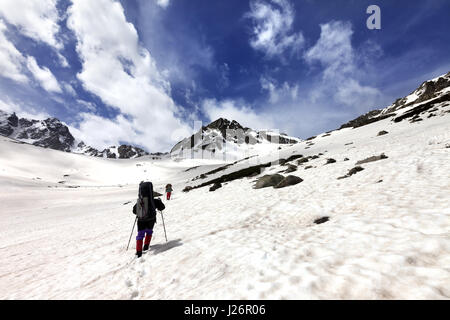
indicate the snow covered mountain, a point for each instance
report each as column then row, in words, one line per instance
column 225, row 138
column 114, row 152
column 427, row 98
column 52, row 133
column 48, row 133
column 356, row 213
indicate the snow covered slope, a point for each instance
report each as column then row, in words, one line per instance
column 385, row 231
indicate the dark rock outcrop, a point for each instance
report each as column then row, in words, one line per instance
column 288, row 181
column 321, row 220
column 365, row 119
column 49, row 133
column 291, row 168
column 372, row 159
column 352, row 172
column 215, row 186
column 268, row 181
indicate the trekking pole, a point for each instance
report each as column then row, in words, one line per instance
column 163, row 224
column 131, row 233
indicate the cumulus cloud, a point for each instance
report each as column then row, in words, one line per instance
column 342, row 67
column 43, row 75
column 335, row 94
column 11, row 59
column 22, row 110
column 277, row 92
column 272, row 28
column 333, row 49
column 122, row 73
column 35, row 19
column 235, row 110
column 112, row 130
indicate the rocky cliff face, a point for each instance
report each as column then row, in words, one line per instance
column 48, row 133
column 52, row 133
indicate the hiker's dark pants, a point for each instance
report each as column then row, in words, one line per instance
column 145, row 227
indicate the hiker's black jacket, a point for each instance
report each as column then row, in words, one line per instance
column 158, row 204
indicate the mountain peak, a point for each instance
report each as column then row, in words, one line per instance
column 223, row 124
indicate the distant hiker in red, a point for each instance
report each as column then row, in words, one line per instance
column 169, row 191
column 145, row 211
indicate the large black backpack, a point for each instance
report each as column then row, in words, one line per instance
column 145, row 206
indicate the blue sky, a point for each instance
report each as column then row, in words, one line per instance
column 142, row 71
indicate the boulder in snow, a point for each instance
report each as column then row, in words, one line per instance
column 288, row 181
column 372, row 159
column 291, row 168
column 268, row 181
column 321, row 220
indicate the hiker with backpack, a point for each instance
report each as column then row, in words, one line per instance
column 169, row 191
column 145, row 211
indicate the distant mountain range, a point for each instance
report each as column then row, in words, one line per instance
column 222, row 134
column 52, row 133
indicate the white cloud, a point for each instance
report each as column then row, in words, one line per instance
column 163, row 3
column 43, row 75
column 272, row 28
column 122, row 73
column 11, row 59
column 182, row 52
column 112, row 130
column 69, row 89
column 230, row 110
column 342, row 68
column 87, row 105
column 62, row 60
column 333, row 49
column 277, row 92
column 35, row 19
column 224, row 76
column 22, row 110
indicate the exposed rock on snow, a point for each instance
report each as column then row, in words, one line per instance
column 352, row 172
column 382, row 132
column 372, row 159
column 321, row 220
column 288, row 181
column 216, row 186
column 291, row 168
column 268, row 181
